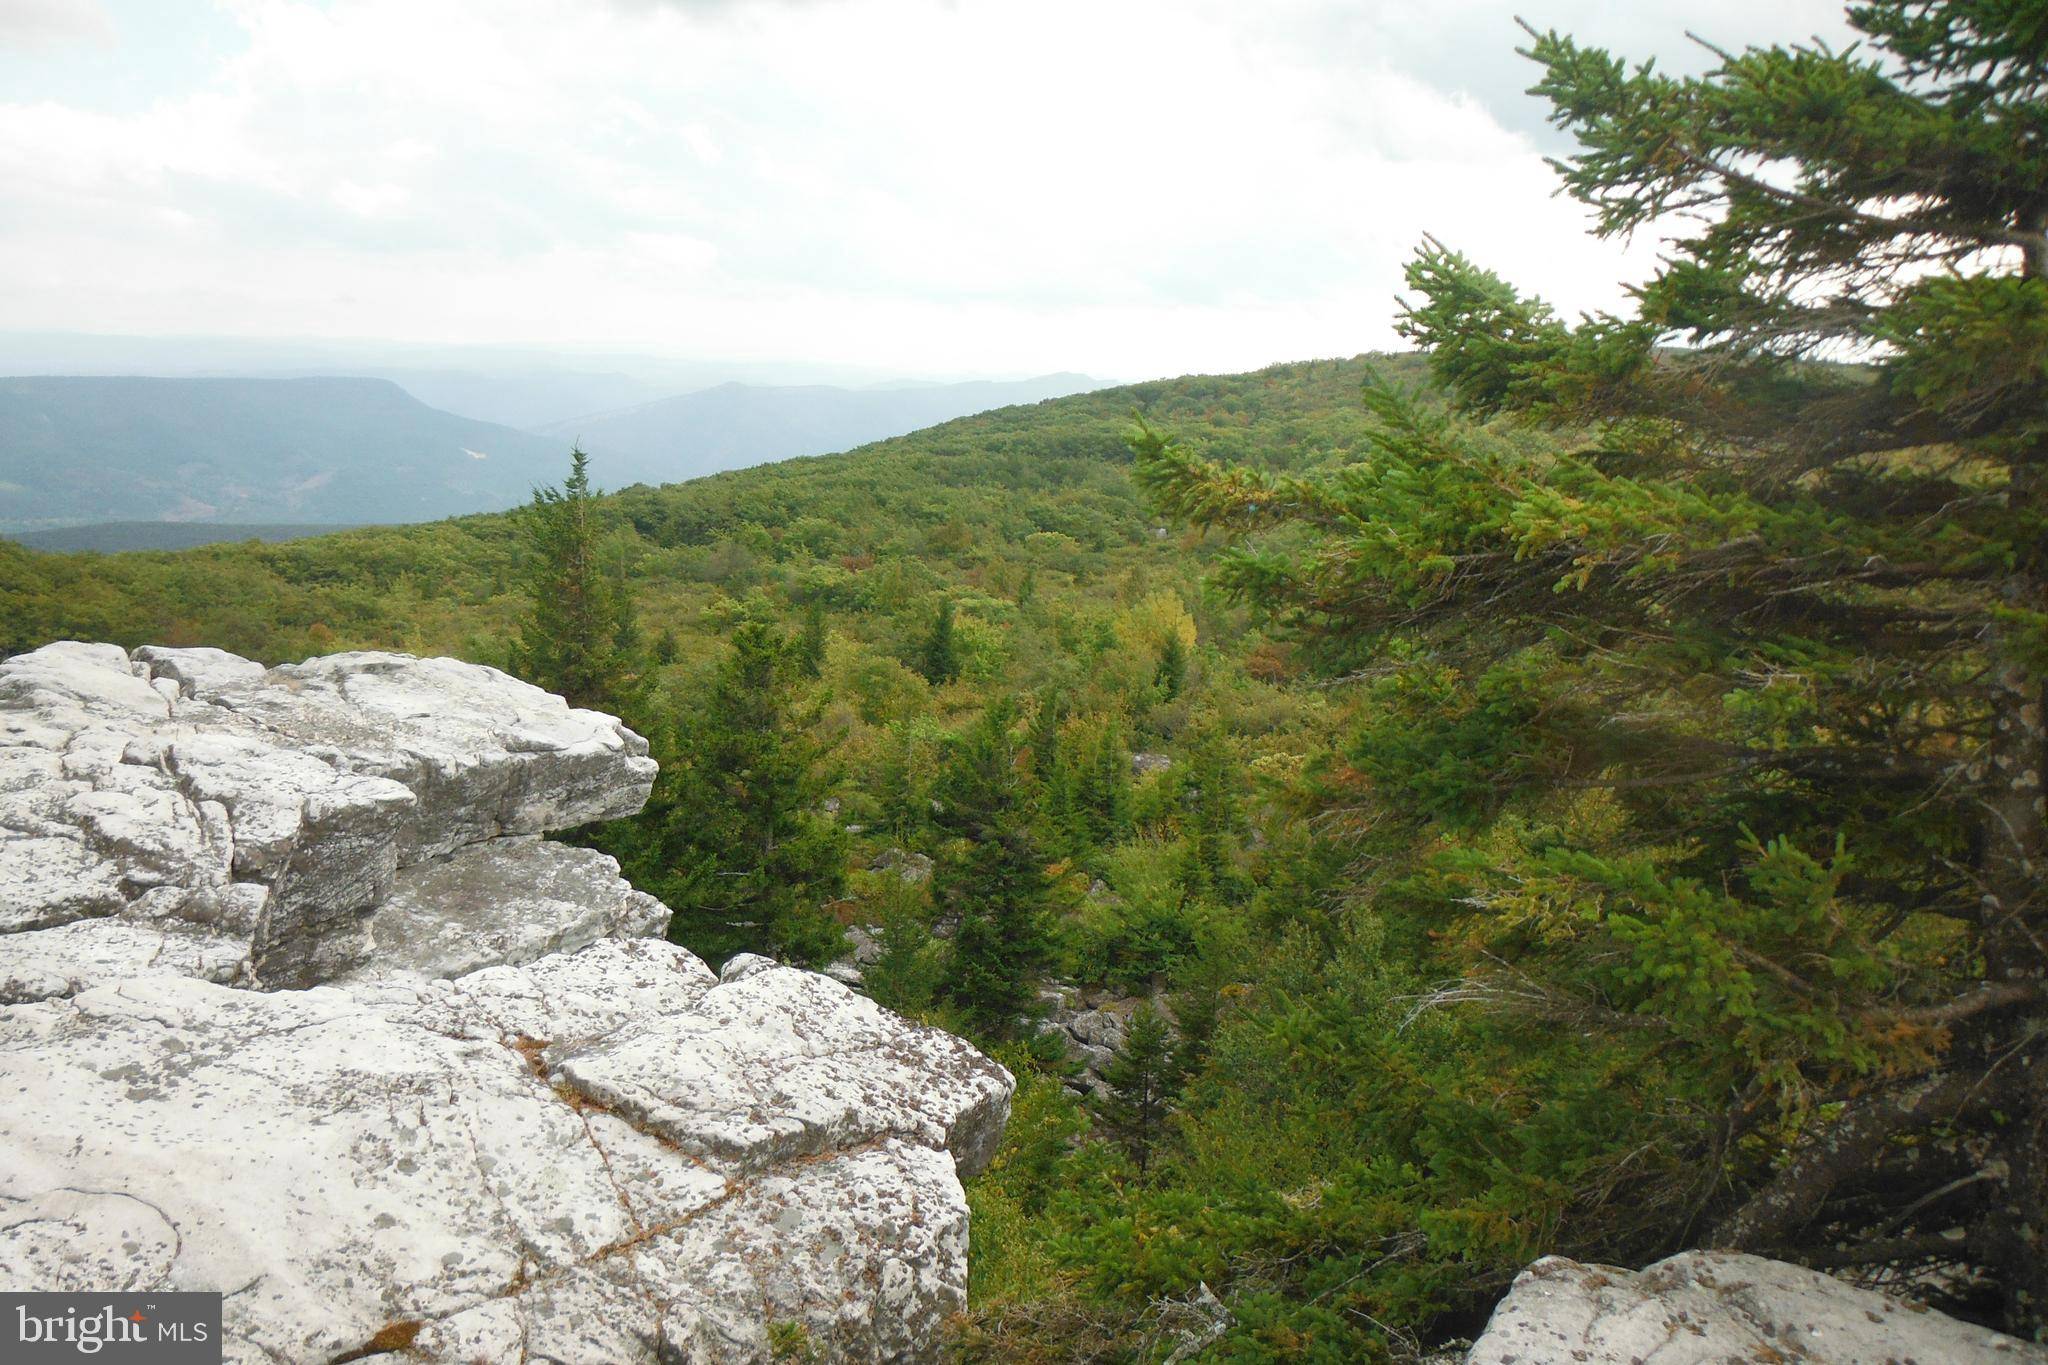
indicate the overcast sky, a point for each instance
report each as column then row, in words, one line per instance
column 930, row 187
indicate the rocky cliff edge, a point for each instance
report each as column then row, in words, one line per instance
column 296, row 1005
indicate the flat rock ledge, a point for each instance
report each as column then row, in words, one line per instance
column 1714, row 1307
column 295, row 1005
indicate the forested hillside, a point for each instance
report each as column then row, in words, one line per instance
column 982, row 505
column 731, row 426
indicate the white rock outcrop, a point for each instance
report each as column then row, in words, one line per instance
column 273, row 809
column 1710, row 1307
column 297, row 1007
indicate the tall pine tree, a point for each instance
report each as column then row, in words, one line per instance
column 578, row 637
column 811, row 640
column 990, row 879
column 939, row 657
column 1138, row 1087
column 1172, row 673
column 1210, row 818
column 734, row 842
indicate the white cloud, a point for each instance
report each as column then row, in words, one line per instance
column 370, row 201
column 931, row 187
column 40, row 23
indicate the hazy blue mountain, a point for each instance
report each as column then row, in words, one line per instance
column 80, row 450
column 269, row 452
column 521, row 386
column 527, row 399
column 735, row 425
column 112, row 537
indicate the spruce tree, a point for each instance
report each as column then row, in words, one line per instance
column 939, row 658
column 1210, row 817
column 1172, row 673
column 579, row 637
column 736, row 845
column 1048, row 713
column 1052, row 783
column 1098, row 786
column 811, row 640
column 1139, row 1086
column 1721, row 711
column 903, row 783
column 990, row 880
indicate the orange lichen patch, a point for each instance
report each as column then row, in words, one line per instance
column 390, row 1338
column 396, row 1336
column 531, row 1050
column 583, row 1105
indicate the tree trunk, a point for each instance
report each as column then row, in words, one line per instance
column 2014, row 1231
column 1770, row 1220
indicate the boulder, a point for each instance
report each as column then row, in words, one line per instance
column 1093, row 1025
column 913, row 868
column 194, row 669
column 867, row 943
column 865, row 948
column 276, row 806
column 298, row 1007
column 1707, row 1307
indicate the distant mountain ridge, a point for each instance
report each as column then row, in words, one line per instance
column 345, row 451
column 108, row 456
column 113, row 537
column 736, row 425
column 514, row 385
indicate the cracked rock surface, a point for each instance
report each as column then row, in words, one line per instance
column 488, row 1118
column 1709, row 1307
